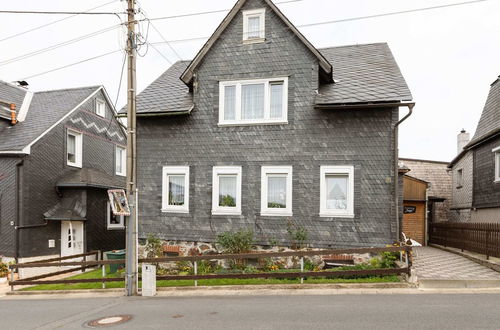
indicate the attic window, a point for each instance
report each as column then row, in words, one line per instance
column 254, row 25
column 100, row 108
column 74, row 148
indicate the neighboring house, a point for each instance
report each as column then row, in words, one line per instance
column 478, row 200
column 439, row 193
column 59, row 152
column 262, row 129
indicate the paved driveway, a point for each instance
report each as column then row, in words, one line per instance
column 436, row 264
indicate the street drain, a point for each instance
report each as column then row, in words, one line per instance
column 109, row 321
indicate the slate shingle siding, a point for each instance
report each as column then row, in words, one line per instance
column 8, row 211
column 47, row 163
column 462, row 197
column 486, row 192
column 311, row 139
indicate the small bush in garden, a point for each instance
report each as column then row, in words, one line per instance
column 309, row 265
column 206, row 267
column 297, row 234
column 153, row 247
column 184, row 267
column 385, row 260
column 268, row 264
column 4, row 269
column 235, row 242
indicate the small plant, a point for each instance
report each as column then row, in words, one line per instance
column 275, row 205
column 206, row 267
column 235, row 242
column 227, row 200
column 309, row 265
column 297, row 235
column 4, row 269
column 184, row 267
column 153, row 247
column 267, row 264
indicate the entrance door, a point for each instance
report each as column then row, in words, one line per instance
column 71, row 238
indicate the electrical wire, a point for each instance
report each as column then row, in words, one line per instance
column 156, row 49
column 52, row 23
column 56, row 12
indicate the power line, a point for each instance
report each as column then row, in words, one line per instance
column 52, row 23
column 156, row 49
column 62, row 44
column 56, row 12
column 71, row 64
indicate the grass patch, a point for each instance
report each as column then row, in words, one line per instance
column 212, row 282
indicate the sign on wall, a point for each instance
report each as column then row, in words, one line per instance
column 118, row 202
column 409, row 209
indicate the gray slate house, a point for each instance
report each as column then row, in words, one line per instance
column 261, row 129
column 476, row 168
column 59, row 152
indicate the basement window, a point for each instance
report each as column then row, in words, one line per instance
column 254, row 25
column 175, row 195
column 337, row 191
column 74, row 148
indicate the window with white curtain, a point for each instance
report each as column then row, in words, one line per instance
column 226, row 194
column 254, row 25
column 337, row 191
column 175, row 194
column 120, row 161
column 258, row 101
column 74, row 148
column 276, row 191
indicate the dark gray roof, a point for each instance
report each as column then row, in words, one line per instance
column 88, row 177
column 489, row 123
column 73, row 207
column 46, row 109
column 166, row 94
column 363, row 73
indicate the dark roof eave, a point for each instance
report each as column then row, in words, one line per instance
column 64, row 219
column 363, row 105
column 160, row 113
column 484, row 138
column 88, row 185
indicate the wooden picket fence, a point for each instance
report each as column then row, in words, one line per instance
column 483, row 238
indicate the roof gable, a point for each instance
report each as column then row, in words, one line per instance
column 187, row 75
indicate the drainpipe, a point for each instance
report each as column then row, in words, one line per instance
column 396, row 169
column 19, row 166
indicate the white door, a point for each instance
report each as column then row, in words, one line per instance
column 71, row 238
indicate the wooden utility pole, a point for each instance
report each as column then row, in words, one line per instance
column 131, row 221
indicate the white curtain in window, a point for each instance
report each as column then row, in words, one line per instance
column 230, row 102
column 336, row 192
column 254, row 27
column 227, row 190
column 276, row 99
column 119, row 160
column 252, row 101
column 71, row 148
column 176, row 190
column 276, row 191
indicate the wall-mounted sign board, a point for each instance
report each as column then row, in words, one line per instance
column 409, row 209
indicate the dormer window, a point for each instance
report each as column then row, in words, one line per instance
column 254, row 25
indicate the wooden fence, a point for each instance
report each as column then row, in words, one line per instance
column 482, row 238
column 196, row 259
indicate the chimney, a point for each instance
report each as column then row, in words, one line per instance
column 13, row 118
column 462, row 139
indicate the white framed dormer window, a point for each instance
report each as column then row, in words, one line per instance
column 276, row 191
column 251, row 102
column 175, row 192
column 460, row 178
column 100, row 108
column 120, row 161
column 74, row 148
column 226, row 191
column 114, row 221
column 337, row 191
column 254, row 25
column 497, row 164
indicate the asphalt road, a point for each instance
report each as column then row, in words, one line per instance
column 418, row 311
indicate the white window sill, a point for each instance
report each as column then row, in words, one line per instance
column 336, row 215
column 496, row 181
column 246, row 123
column 74, row 165
column 254, row 41
column 226, row 212
column 271, row 214
column 174, row 211
column 121, row 174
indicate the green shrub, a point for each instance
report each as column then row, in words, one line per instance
column 297, row 234
column 4, row 269
column 235, row 242
column 153, row 247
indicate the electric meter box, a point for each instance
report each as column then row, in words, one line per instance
column 148, row 280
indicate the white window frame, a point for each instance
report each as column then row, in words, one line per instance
column 226, row 170
column 109, row 212
column 497, row 164
column 175, row 170
column 267, row 102
column 340, row 170
column 261, row 13
column 123, row 160
column 78, row 148
column 460, row 177
column 100, row 108
column 269, row 170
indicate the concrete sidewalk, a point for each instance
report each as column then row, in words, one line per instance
column 437, row 268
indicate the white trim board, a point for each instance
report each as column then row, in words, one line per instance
column 23, row 111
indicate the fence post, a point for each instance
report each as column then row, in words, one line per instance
column 12, row 278
column 103, row 276
column 302, row 269
column 488, row 234
column 195, row 272
column 84, row 260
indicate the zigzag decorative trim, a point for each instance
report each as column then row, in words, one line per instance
column 100, row 130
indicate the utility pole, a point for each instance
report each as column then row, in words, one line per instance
column 131, row 235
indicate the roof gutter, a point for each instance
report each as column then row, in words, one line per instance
column 366, row 105
column 160, row 114
column 410, row 106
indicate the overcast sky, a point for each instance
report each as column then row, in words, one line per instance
column 449, row 56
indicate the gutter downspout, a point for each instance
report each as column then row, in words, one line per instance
column 396, row 169
column 19, row 166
